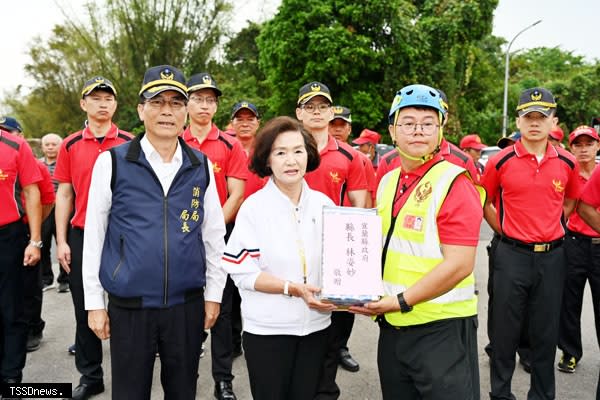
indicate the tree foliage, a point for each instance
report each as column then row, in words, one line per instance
column 366, row 50
column 363, row 50
column 119, row 39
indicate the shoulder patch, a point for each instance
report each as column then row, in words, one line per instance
column 390, row 157
column 123, row 136
column 345, row 152
column 73, row 140
column 504, row 159
column 9, row 142
column 227, row 143
column 464, row 158
column 566, row 160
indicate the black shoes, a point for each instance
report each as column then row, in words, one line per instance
column 224, row 391
column 237, row 351
column 34, row 341
column 86, row 390
column 71, row 350
column 63, row 287
column 526, row 364
column 347, row 362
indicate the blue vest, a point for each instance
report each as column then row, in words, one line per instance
column 153, row 254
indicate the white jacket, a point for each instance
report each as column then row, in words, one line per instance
column 268, row 237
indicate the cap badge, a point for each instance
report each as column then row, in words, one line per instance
column 167, row 74
column 206, row 79
column 536, row 96
column 315, row 87
column 2, row 120
column 99, row 79
column 338, row 110
column 244, row 104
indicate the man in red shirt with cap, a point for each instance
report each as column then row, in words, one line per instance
column 341, row 177
column 230, row 169
column 366, row 146
column 17, row 167
column 76, row 158
column 532, row 185
column 582, row 250
column 471, row 145
column 32, row 277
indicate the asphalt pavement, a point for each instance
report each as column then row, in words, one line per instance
column 52, row 363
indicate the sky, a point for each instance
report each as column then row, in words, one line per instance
column 571, row 26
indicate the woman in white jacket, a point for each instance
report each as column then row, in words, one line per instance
column 274, row 258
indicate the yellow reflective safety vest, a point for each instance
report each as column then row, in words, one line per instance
column 414, row 248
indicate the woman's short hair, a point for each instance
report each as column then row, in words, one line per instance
column 266, row 137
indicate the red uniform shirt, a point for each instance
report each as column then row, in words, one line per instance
column 575, row 223
column 530, row 195
column 460, row 216
column 370, row 177
column 339, row 172
column 450, row 152
column 45, row 186
column 76, row 158
column 225, row 153
column 17, row 164
column 591, row 191
column 47, row 195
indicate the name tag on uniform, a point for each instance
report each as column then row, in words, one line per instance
column 413, row 223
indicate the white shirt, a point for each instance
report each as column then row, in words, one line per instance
column 98, row 210
column 269, row 234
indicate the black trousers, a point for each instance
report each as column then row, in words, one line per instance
column 221, row 342
column 525, row 283
column 32, row 293
column 583, row 264
column 226, row 332
column 437, row 360
column 13, row 330
column 523, row 350
column 285, row 366
column 136, row 334
column 88, row 348
column 48, row 231
column 339, row 333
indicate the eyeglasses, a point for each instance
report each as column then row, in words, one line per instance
column 310, row 107
column 209, row 100
column 159, row 102
column 428, row 128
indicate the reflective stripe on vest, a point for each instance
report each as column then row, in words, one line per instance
column 415, row 249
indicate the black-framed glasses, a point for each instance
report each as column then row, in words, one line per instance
column 428, row 128
column 322, row 107
column 159, row 102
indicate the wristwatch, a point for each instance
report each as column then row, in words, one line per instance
column 39, row 244
column 404, row 307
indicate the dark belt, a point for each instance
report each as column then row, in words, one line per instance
column 534, row 247
column 590, row 239
column 10, row 225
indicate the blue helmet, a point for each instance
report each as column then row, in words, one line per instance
column 417, row 96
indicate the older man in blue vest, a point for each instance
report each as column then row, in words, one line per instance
column 153, row 242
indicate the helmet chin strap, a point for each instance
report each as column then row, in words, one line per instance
column 426, row 157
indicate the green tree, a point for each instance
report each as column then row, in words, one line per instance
column 119, row 39
column 366, row 50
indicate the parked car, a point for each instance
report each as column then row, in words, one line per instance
column 488, row 152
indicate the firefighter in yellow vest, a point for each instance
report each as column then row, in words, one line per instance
column 431, row 213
